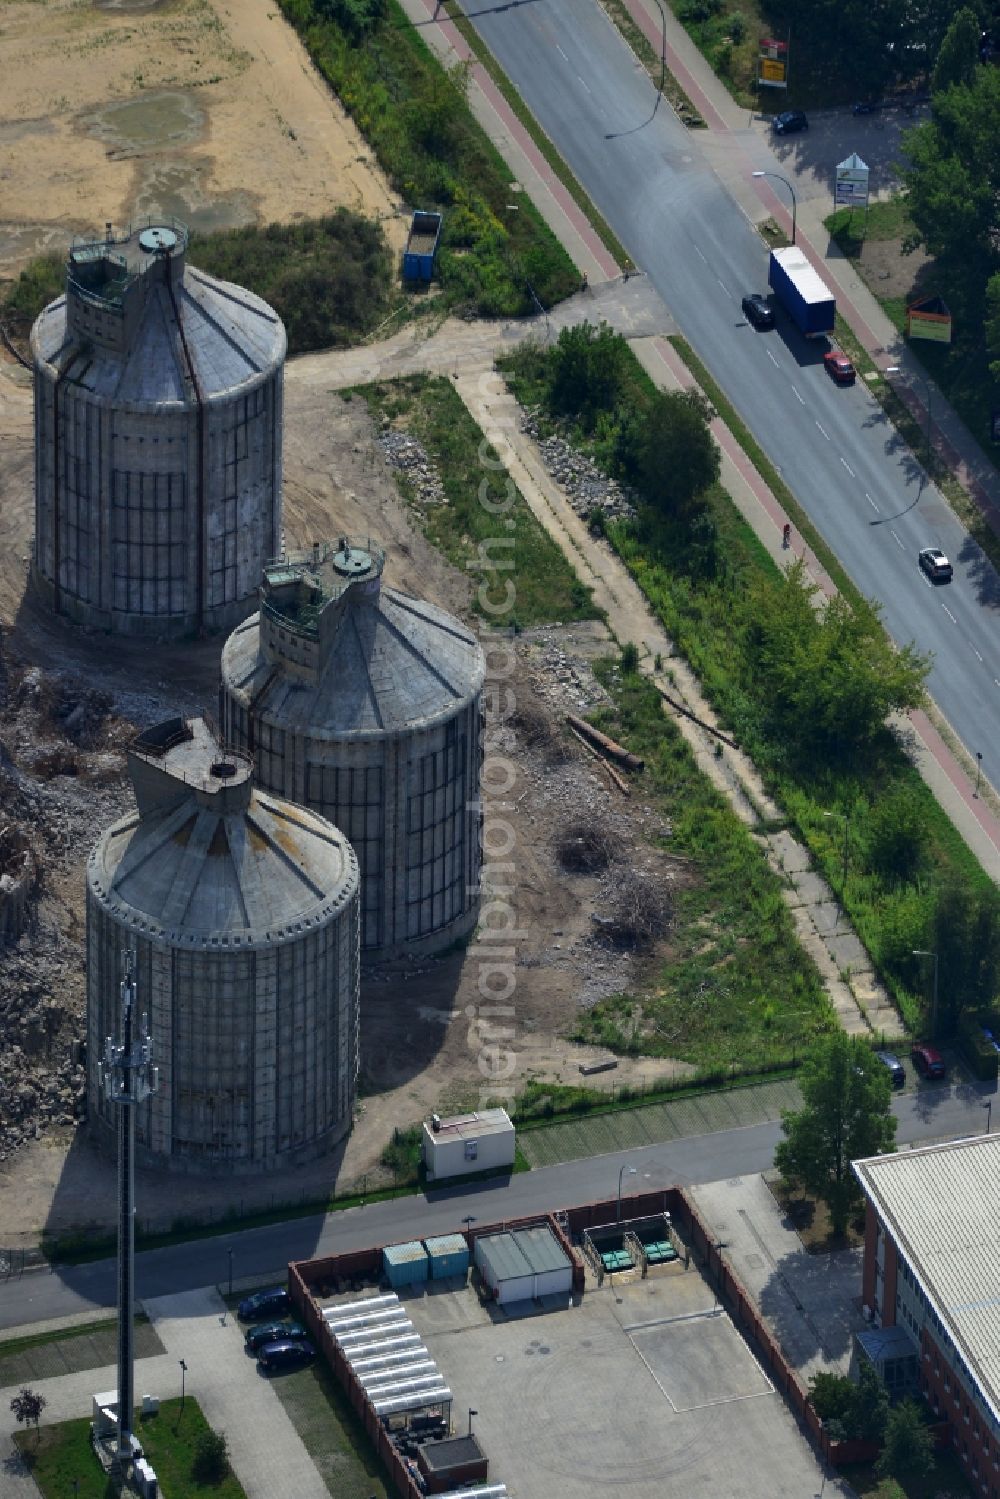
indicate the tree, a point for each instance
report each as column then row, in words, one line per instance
column 993, row 324
column 953, row 182
column 588, row 372
column 210, row 1463
column 908, row 1453
column 966, row 938
column 845, row 1116
column 958, row 58
column 677, row 458
column 870, row 1411
column 830, row 679
column 28, row 1407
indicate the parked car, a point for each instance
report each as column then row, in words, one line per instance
column 935, row 564
column 789, row 121
column 262, row 1304
column 758, row 310
column 867, row 107
column 927, row 1060
column 273, row 1332
column 894, row 1065
column 287, row 1353
column 839, row 367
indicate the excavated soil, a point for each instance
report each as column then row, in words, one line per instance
column 208, row 110
column 67, row 708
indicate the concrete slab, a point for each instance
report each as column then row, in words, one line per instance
column 636, row 1390
column 791, row 855
column 848, row 951
column 810, row 888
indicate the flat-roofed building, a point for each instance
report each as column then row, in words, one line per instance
column 932, row 1271
column 465, row 1143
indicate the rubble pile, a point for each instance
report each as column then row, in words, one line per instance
column 61, row 783
column 408, row 457
column 587, row 488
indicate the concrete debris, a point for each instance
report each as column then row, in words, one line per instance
column 408, row 457
column 586, row 487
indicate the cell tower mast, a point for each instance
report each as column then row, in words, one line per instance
column 128, row 1079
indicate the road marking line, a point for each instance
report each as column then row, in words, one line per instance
column 949, row 614
column 975, row 652
column 704, row 257
column 585, row 84
column 799, row 398
column 871, row 501
column 848, row 467
column 824, row 431
column 561, row 52
column 725, row 288
column 772, row 358
column 896, row 539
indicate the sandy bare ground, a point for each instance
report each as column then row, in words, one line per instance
column 206, row 109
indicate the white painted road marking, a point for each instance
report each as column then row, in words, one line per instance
column 871, row 502
column 949, row 614
column 561, row 52
column 848, row 467
column 584, row 82
column 725, row 288
column 824, row 431
column 797, row 396
column 702, row 256
column 975, row 652
column 896, row 539
column 772, row 358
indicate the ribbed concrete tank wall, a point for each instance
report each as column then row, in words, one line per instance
column 242, row 914
column 158, row 417
column 365, row 704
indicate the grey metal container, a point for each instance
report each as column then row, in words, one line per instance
column 366, row 705
column 158, row 414
column 242, row 913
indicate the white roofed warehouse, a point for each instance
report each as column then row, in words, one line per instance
column 158, row 413
column 932, row 1275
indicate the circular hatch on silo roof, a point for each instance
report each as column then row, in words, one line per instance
column 157, row 238
column 352, row 561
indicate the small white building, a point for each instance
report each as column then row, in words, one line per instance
column 524, row 1264
column 467, row 1143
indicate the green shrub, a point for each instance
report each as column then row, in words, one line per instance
column 980, row 1053
column 210, row 1463
column 629, row 659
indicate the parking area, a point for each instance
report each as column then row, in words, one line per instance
column 640, row 1386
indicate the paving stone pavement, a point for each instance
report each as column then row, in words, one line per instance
column 267, row 1453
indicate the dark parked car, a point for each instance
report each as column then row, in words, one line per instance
column 895, row 1066
column 758, row 310
column 867, row 107
column 273, row 1303
column 289, row 1353
column 935, row 564
column 273, row 1332
column 789, row 121
column 928, row 1061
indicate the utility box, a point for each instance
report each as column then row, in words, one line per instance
column 467, row 1143
column 447, row 1255
column 405, row 1264
column 144, row 1479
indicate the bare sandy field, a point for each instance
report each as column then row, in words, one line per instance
column 205, row 109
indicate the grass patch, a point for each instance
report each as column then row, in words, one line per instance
column 331, row 1433
column 738, row 987
column 541, row 1104
column 902, row 859
column 59, row 1456
column 486, row 59
column 546, row 588
column 945, row 1480
column 726, row 35
column 418, row 122
column 68, row 1350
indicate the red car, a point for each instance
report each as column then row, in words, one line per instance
column 927, row 1060
column 839, row 367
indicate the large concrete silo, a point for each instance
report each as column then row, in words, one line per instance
column 158, row 410
column 366, row 705
column 242, row 913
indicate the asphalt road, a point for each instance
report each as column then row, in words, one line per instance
column 650, row 179
column 929, row 1113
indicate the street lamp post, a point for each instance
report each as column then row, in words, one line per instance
column 183, row 1372
column 979, row 771
column 896, row 369
column 472, row 1413
column 790, row 189
column 845, row 818
column 988, row 1106
column 230, row 1253
column 625, row 1171
column 920, row 952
